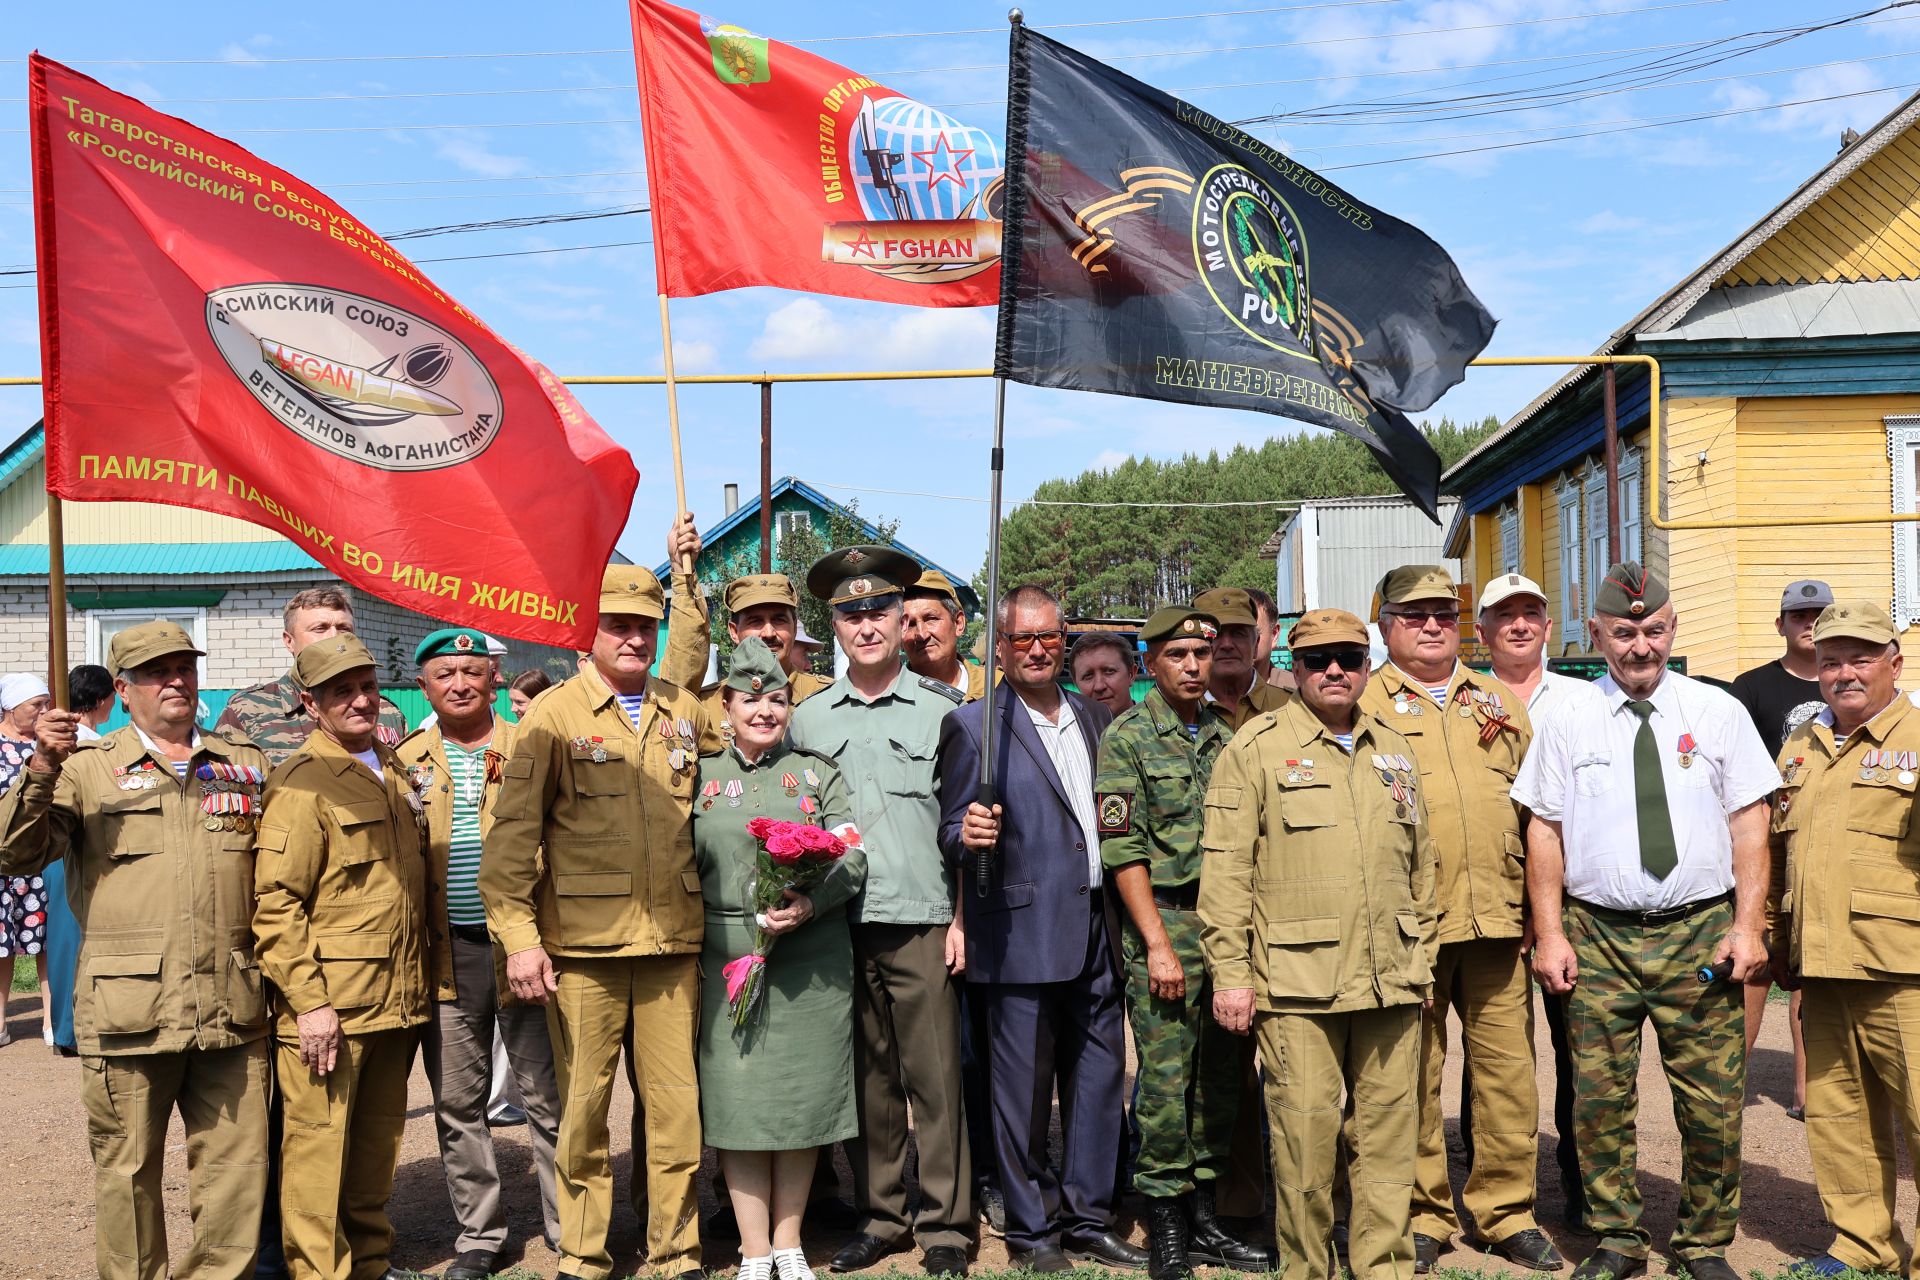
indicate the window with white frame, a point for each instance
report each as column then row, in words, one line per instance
column 1594, row 496
column 104, row 624
column 1509, row 540
column 1572, row 601
column 785, row 522
column 1903, row 450
column 1633, row 501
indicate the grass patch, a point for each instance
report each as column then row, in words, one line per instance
column 25, row 977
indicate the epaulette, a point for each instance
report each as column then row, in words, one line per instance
column 411, row 735
column 817, row 755
column 941, row 687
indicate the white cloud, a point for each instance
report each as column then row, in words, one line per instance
column 470, row 152
column 1607, row 222
column 802, row 330
column 1108, row 459
column 807, row 331
column 695, row 356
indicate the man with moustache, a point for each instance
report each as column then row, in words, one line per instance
column 1317, row 919
column 1627, row 914
column 1240, row 690
column 1845, row 889
column 932, row 622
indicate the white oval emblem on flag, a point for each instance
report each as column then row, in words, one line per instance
column 359, row 378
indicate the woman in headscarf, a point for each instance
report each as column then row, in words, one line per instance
column 23, row 899
column 776, row 1090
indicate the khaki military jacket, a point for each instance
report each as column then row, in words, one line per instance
column 1846, row 849
column 165, row 906
column 1259, row 699
column 272, row 716
column 1316, row 884
column 613, row 813
column 341, row 891
column 1468, row 785
column 424, row 753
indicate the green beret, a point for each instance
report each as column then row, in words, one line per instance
column 458, row 641
column 753, row 668
column 1177, row 622
column 1629, row 591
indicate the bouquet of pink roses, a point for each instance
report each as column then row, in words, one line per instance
column 793, row 855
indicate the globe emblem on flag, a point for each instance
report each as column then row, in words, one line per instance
column 914, row 162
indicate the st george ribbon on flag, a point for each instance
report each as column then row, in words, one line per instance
column 218, row 334
column 1153, row 250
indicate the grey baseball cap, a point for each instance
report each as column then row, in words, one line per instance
column 1808, row 593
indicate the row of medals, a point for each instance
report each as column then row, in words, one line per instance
column 683, row 752
column 1874, row 766
column 734, row 789
column 1408, row 703
column 1396, row 772
column 230, row 796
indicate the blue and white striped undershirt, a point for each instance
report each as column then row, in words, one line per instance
column 631, row 704
column 467, row 774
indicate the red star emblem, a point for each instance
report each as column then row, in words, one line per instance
column 863, row 243
column 950, row 170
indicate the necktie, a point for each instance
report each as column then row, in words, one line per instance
column 1657, row 851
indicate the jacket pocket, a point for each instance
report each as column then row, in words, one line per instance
column 126, row 993
column 591, row 907
column 1007, row 898
column 1303, row 958
column 1880, row 808
column 1886, row 931
column 909, row 768
column 362, row 826
column 1418, row 971
column 246, row 1002
column 355, row 967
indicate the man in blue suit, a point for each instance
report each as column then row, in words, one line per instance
column 1040, row 942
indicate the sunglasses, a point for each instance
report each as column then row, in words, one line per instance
column 1321, row 659
column 1025, row 639
column 1421, row 617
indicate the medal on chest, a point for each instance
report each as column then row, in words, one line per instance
column 708, row 793
column 1687, row 748
column 141, row 775
column 1299, row 771
column 791, row 783
column 734, row 790
column 229, row 796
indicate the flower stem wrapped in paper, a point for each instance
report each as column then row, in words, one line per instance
column 793, row 856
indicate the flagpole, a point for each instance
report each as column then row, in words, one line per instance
column 673, row 422
column 56, row 602
column 997, row 461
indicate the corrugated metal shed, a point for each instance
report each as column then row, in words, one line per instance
column 1843, row 310
column 1341, row 547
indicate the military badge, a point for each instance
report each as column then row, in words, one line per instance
column 860, row 587
column 1116, row 812
column 463, row 643
column 791, row 783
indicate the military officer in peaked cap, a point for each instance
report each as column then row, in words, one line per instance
column 880, row 723
column 155, row 821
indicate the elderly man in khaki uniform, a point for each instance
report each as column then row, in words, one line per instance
column 340, row 910
column 758, row 604
column 590, row 886
column 1846, row 910
column 931, row 623
column 155, row 822
column 1317, row 918
column 1240, row 692
column 1469, row 733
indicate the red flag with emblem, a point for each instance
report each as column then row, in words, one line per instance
column 769, row 165
column 217, row 334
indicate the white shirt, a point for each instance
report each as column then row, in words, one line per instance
column 1579, row 773
column 1551, row 694
column 371, row 759
column 1067, row 748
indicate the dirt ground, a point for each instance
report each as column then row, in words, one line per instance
column 47, row 1199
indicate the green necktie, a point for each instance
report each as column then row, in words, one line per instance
column 1657, row 851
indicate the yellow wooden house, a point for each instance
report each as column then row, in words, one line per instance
column 1791, row 386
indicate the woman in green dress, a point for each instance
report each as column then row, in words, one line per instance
column 776, row 1090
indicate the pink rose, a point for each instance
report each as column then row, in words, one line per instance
column 812, row 839
column 761, row 828
column 784, row 849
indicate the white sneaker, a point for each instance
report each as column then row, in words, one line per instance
column 792, row 1264
column 755, row 1268
column 46, row 1034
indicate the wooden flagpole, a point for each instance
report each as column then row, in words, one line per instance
column 673, row 421
column 56, row 602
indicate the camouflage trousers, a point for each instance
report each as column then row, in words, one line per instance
column 1188, row 1077
column 1629, row 973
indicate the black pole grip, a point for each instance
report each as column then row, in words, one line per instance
column 982, row 871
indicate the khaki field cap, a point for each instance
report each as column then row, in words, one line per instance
column 322, row 660
column 1327, row 626
column 761, row 588
column 1416, row 582
column 1629, row 591
column 938, row 582
column 1228, row 606
column 1857, row 619
column 1508, row 585
column 137, row 646
column 627, row 588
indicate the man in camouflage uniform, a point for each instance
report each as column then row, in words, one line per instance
column 1647, row 865
column 271, row 714
column 1155, row 761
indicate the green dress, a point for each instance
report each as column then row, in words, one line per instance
column 784, row 1082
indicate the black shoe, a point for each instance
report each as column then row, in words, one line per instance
column 1045, row 1258
column 506, row 1116
column 1109, row 1250
column 945, row 1260
column 1426, row 1252
column 1530, row 1249
column 1212, row 1246
column 474, row 1264
column 1339, row 1241
column 1711, row 1267
column 1603, row 1263
column 993, row 1208
column 862, row 1252
column 1167, row 1256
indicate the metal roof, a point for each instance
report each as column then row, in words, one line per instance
column 22, row 453
column 1677, row 302
column 163, row 559
column 1845, row 309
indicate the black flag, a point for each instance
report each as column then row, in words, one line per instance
column 1153, row 250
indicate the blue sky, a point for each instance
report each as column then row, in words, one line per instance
column 1562, row 240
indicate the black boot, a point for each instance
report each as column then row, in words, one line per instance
column 1212, row 1246
column 1167, row 1241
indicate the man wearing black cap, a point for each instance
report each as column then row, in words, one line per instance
column 881, row 724
column 1628, row 913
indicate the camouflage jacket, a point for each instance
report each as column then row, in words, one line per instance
column 1151, row 783
column 271, row 715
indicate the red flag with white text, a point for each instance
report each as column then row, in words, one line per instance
column 217, row 334
column 769, row 165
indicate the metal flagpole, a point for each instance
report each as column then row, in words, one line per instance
column 56, row 603
column 998, row 460
column 673, row 421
